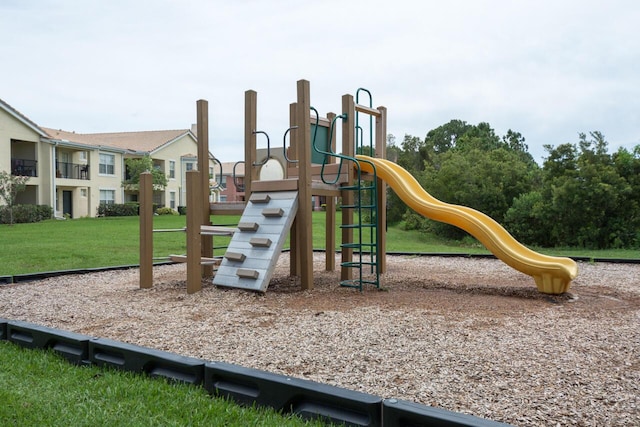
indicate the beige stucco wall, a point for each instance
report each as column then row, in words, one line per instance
column 12, row 128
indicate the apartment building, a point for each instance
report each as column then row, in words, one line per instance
column 74, row 173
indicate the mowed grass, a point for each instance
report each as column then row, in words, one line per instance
column 106, row 242
column 39, row 388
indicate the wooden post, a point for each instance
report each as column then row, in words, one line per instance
column 250, row 125
column 348, row 198
column 381, row 152
column 206, row 249
column 330, row 213
column 146, row 230
column 194, row 239
column 304, row 220
column 294, row 244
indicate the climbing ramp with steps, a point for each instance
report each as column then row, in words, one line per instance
column 254, row 249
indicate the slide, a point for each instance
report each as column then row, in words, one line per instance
column 552, row 275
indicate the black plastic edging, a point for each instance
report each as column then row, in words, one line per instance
column 47, row 274
column 73, row 347
column 402, row 413
column 247, row 386
column 3, row 328
column 305, row 398
column 155, row 363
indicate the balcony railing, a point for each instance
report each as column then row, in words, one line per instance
column 24, row 167
column 72, row 170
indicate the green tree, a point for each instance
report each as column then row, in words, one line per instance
column 471, row 165
column 588, row 198
column 10, row 186
column 136, row 166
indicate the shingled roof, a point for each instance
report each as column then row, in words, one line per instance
column 145, row 141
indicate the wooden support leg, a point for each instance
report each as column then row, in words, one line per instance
column 146, row 230
column 194, row 221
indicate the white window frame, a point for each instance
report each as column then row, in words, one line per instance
column 106, row 201
column 172, row 199
column 103, row 168
column 172, row 169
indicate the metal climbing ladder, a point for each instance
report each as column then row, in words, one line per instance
column 254, row 249
column 365, row 226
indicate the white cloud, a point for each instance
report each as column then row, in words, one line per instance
column 546, row 69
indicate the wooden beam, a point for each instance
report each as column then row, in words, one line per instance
column 202, row 125
column 146, row 230
column 381, row 152
column 294, row 243
column 304, row 220
column 194, row 241
column 367, row 110
column 250, row 124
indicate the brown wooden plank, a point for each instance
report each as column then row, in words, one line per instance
column 275, row 185
column 216, row 230
column 367, row 110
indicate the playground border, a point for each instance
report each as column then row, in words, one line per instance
column 246, row 386
column 19, row 278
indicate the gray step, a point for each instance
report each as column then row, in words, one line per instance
column 254, row 250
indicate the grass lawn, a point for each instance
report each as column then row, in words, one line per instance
column 105, row 242
column 39, row 388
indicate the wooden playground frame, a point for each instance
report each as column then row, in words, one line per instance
column 301, row 176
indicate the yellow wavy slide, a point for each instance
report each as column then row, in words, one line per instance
column 552, row 275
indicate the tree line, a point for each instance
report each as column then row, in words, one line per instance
column 582, row 195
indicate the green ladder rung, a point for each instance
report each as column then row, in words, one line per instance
column 350, row 264
column 351, row 284
column 365, row 225
column 350, row 245
column 356, row 283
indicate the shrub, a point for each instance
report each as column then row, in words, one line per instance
column 113, row 209
column 166, row 211
column 25, row 213
column 182, row 210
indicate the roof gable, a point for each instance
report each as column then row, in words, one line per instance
column 22, row 118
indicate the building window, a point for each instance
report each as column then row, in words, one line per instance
column 188, row 166
column 83, row 192
column 172, row 169
column 211, row 174
column 107, row 197
column 172, row 199
column 107, row 164
column 83, row 156
column 223, row 182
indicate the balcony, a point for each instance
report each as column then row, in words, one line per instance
column 24, row 167
column 72, row 170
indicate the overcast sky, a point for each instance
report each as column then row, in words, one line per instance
column 547, row 69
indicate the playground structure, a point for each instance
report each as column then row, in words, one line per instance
column 358, row 176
